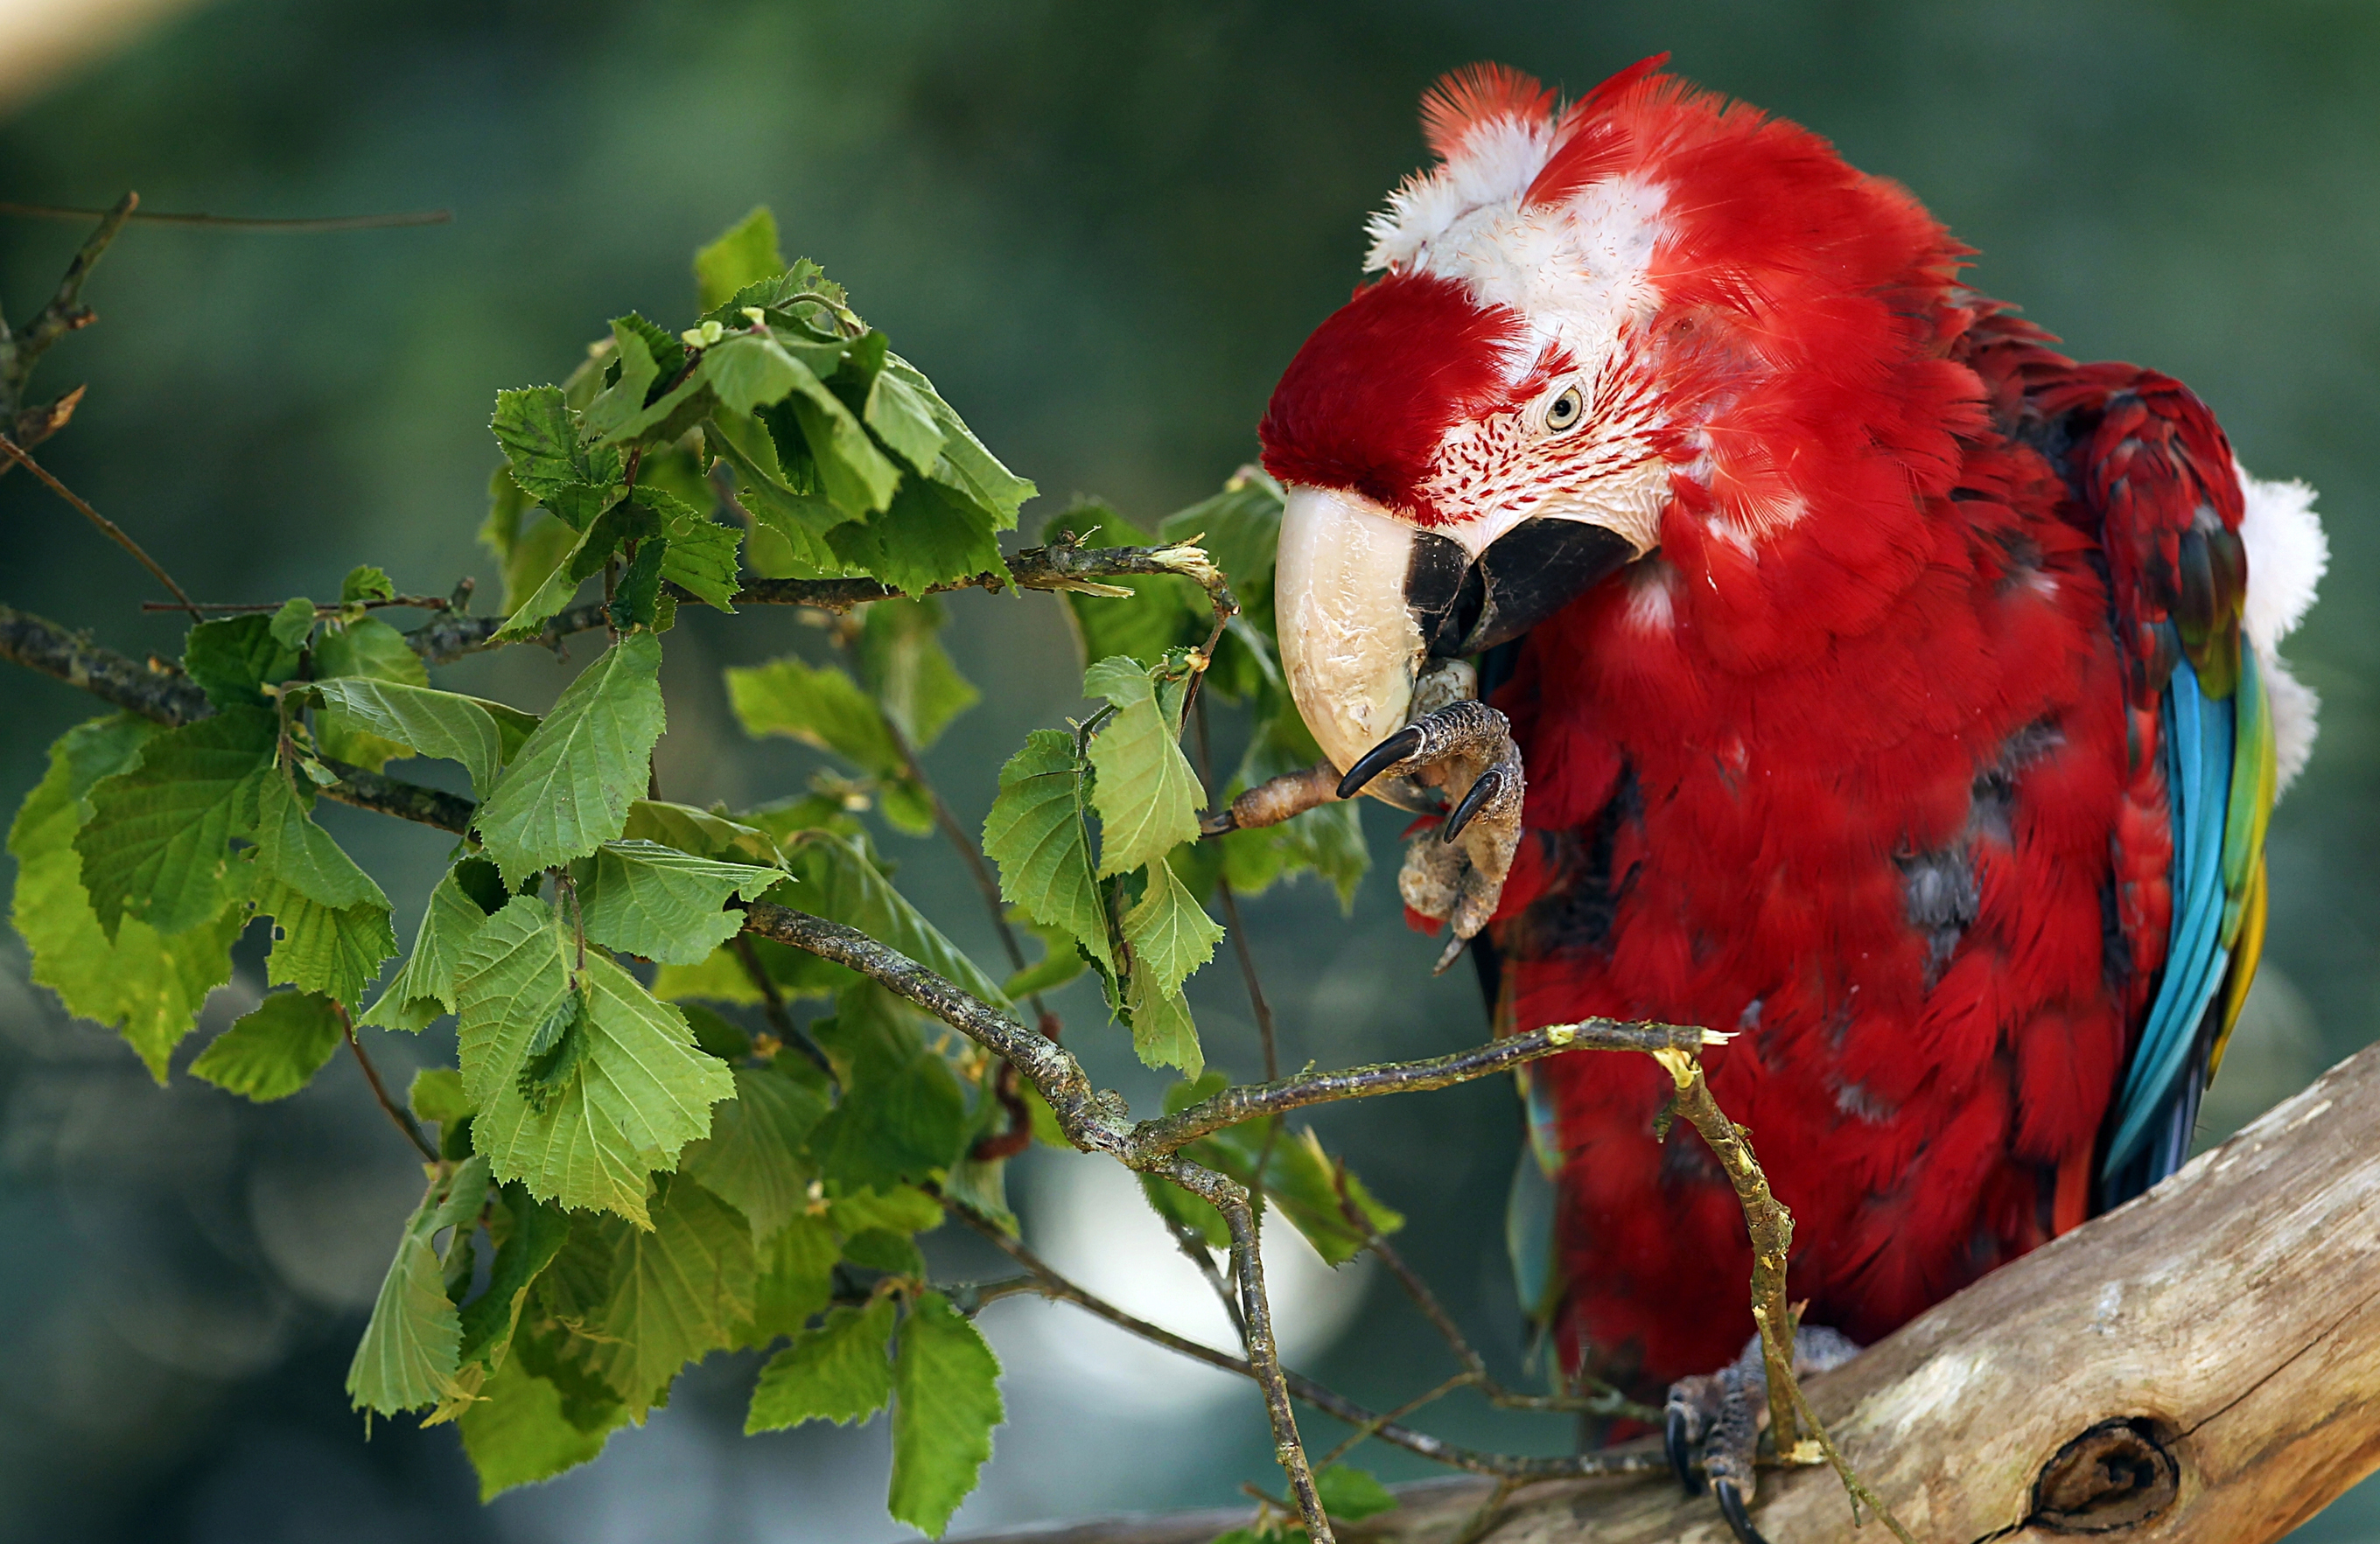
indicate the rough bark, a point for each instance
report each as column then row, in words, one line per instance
column 2203, row 1364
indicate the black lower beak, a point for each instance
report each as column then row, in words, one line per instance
column 1532, row 571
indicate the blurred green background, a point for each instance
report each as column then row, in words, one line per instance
column 1103, row 229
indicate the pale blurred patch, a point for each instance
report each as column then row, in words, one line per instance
column 41, row 41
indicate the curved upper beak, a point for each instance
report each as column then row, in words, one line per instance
column 1362, row 601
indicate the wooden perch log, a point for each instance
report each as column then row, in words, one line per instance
column 2203, row 1364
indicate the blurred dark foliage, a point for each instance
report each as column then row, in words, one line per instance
column 1102, row 229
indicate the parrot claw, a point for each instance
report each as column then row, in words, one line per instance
column 1463, row 748
column 1714, row 1421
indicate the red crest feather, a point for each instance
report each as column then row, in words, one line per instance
column 1464, row 98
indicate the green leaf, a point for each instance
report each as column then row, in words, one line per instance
column 364, row 582
column 1145, row 793
column 701, row 559
column 678, row 1291
column 529, row 543
column 643, row 1092
column 517, row 1433
column 903, row 1210
column 624, row 397
column 294, row 851
column 754, row 1158
column 334, row 951
column 541, row 442
column 927, row 537
column 1035, row 832
column 901, row 1120
column 275, row 1050
column 854, row 475
column 294, row 623
column 838, row 1372
column 424, row 722
column 706, row 832
column 437, row 1096
column 1302, row 1182
column 881, row 1250
column 156, row 844
column 1351, row 1495
column 370, row 649
column 796, row 1280
column 149, row 988
column 965, row 466
column 533, row 1235
column 841, row 886
column 749, row 371
column 567, row 791
column 655, row 901
column 424, row 985
column 800, row 516
column 1170, row 933
column 817, row 705
column 909, row 672
column 903, row 419
column 1163, row 1033
column 744, row 253
column 407, row 1359
column 230, row 660
column 946, row 1386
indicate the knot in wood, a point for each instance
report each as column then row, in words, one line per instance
column 2116, row 1475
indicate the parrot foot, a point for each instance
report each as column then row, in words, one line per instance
column 1713, row 1421
column 1455, row 873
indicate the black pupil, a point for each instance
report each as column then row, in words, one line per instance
column 1565, row 407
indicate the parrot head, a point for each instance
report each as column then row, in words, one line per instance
column 1591, row 323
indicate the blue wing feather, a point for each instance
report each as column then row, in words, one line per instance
column 2159, row 1097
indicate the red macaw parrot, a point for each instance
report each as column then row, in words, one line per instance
column 1861, row 676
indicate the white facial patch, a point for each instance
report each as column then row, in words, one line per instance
column 1578, row 274
column 2287, row 555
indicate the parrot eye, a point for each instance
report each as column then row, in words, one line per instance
column 1564, row 411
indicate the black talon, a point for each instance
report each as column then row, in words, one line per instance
column 1490, row 784
column 1679, row 1446
column 1730, row 1506
column 1379, row 759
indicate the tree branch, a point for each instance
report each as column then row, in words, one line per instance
column 19, row 457
column 1058, row 566
column 2202, row 1363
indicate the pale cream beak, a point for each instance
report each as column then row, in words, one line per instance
column 1364, row 601
column 1350, row 646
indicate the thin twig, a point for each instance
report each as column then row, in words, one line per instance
column 1611, row 1403
column 1264, row 1352
column 1371, row 1428
column 64, row 314
column 396, row 1112
column 1192, row 1245
column 114, row 532
column 1845, row 1473
column 322, row 610
column 1475, row 1526
column 1267, row 1040
column 1766, row 1219
column 1640, row 1459
column 241, row 222
column 772, row 1006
